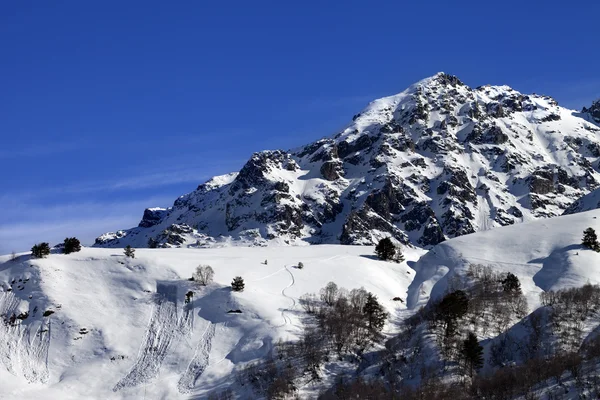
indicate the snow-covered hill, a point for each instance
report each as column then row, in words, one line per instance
column 97, row 325
column 436, row 161
column 544, row 254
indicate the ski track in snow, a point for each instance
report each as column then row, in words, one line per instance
column 20, row 352
column 162, row 329
column 199, row 362
column 286, row 319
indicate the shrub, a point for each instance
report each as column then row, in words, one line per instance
column 204, row 274
column 71, row 245
column 237, row 285
column 300, row 265
column 40, row 250
column 129, row 252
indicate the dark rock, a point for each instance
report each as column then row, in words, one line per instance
column 332, row 170
column 152, row 216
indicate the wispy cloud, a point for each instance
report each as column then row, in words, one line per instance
column 45, row 149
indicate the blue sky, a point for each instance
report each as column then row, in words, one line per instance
column 110, row 107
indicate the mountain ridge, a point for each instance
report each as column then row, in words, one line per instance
column 435, row 161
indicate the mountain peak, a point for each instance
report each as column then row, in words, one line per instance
column 435, row 161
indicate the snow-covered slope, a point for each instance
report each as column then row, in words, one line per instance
column 105, row 327
column 545, row 255
column 590, row 201
column 436, row 161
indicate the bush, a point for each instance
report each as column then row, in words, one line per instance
column 204, row 274
column 71, row 245
column 40, row 250
column 237, row 285
column 129, row 252
column 300, row 265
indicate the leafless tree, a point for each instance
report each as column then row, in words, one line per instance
column 204, row 274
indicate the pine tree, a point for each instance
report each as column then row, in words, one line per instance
column 590, row 239
column 375, row 313
column 452, row 307
column 511, row 284
column 129, row 252
column 472, row 353
column 237, row 285
column 71, row 245
column 40, row 250
column 385, row 249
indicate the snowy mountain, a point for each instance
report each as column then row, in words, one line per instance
column 436, row 161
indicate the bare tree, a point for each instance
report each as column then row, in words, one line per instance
column 13, row 256
column 204, row 274
column 329, row 293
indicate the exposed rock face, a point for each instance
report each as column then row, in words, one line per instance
column 438, row 160
column 152, row 216
column 593, row 111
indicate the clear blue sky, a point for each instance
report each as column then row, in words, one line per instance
column 109, row 107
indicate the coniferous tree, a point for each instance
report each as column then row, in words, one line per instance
column 71, row 245
column 511, row 284
column 472, row 353
column 237, row 285
column 40, row 250
column 375, row 313
column 452, row 307
column 590, row 239
column 129, row 252
column 385, row 249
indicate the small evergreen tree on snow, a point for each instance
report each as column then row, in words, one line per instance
column 237, row 285
column 40, row 250
column 300, row 265
column 129, row 252
column 71, row 245
column 152, row 243
column 511, row 284
column 386, row 250
column 374, row 313
column 590, row 239
column 472, row 353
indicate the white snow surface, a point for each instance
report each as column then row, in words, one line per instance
column 120, row 328
column 544, row 254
